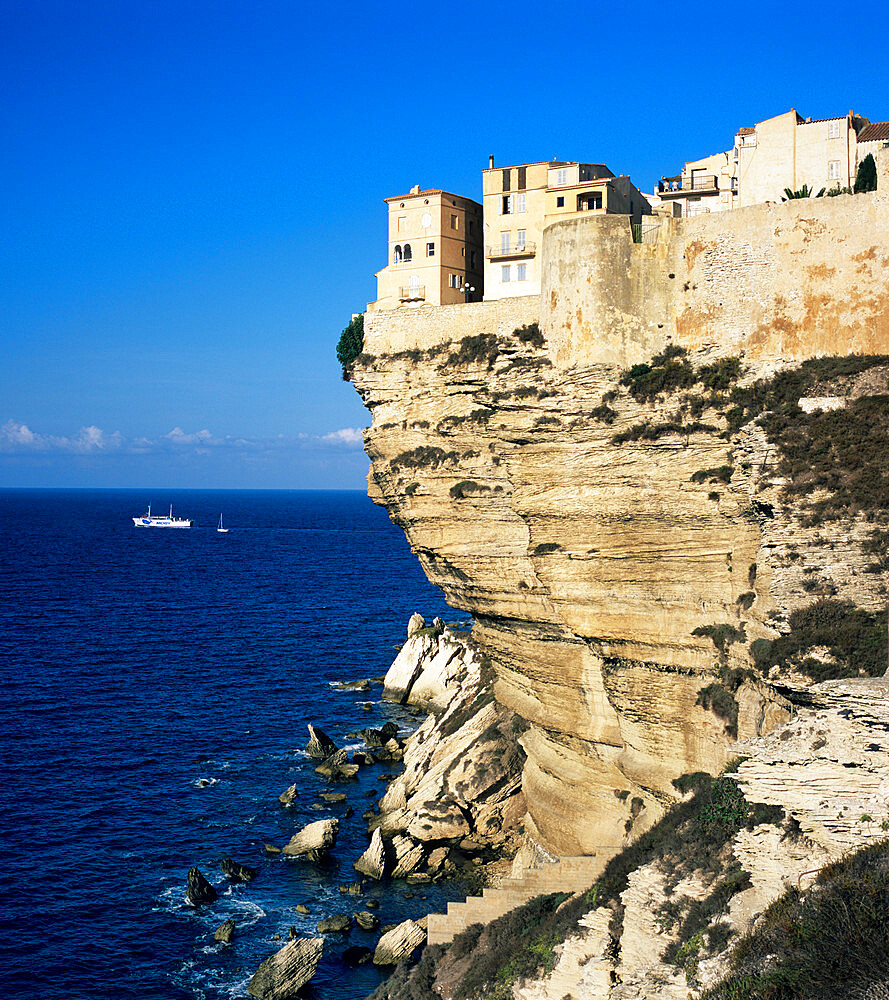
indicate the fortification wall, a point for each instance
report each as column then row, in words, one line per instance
column 802, row 278
column 395, row 330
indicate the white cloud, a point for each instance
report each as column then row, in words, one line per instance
column 347, row 435
column 18, row 438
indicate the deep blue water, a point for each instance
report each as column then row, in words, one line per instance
column 157, row 685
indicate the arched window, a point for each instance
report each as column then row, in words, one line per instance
column 407, row 251
column 398, row 255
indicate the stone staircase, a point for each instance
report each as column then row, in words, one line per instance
column 562, row 875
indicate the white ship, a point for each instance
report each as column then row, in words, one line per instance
column 150, row 520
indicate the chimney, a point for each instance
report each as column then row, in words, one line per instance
column 490, row 161
column 415, row 189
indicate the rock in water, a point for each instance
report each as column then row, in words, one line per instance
column 357, row 955
column 236, row 871
column 225, row 932
column 314, row 840
column 399, row 943
column 320, row 745
column 281, row 975
column 373, row 861
column 198, row 890
column 415, row 623
column 287, row 797
column 339, row 923
column 336, row 767
column 367, row 921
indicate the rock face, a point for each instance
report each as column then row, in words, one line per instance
column 236, row 871
column 586, row 528
column 198, row 890
column 314, row 840
column 336, row 767
column 462, row 768
column 284, row 973
column 373, row 861
column 399, row 943
column 339, row 923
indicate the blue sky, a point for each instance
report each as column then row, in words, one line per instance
column 192, row 193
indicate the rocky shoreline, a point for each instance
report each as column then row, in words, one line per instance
column 452, row 812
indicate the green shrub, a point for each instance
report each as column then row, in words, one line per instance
column 478, row 348
column 722, row 635
column 604, row 413
column 721, row 702
column 855, row 638
column 350, row 343
column 830, row 941
column 530, row 334
column 423, row 456
column 866, row 176
column 651, row 432
column 545, row 547
column 467, row 488
column 722, row 474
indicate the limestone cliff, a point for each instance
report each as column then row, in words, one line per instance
column 622, row 548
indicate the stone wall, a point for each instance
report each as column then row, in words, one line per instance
column 406, row 329
column 803, row 278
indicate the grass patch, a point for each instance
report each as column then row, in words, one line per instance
column 424, row 456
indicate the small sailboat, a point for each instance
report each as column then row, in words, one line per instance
column 220, row 528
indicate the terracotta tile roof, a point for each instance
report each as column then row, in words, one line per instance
column 814, row 121
column 745, row 131
column 874, row 131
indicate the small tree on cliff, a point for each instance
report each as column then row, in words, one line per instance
column 866, row 178
column 351, row 342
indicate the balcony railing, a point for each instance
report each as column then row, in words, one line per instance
column 687, row 185
column 415, row 294
column 520, row 250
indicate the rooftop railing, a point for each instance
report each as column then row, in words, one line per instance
column 683, row 185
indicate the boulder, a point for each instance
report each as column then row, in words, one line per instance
column 367, row 921
column 271, row 849
column 352, row 889
column 399, row 943
column 357, row 955
column 408, row 856
column 236, row 871
column 339, row 923
column 337, row 767
column 333, row 796
column 437, row 858
column 314, row 840
column 302, row 908
column 373, row 861
column 320, row 745
column 360, row 685
column 225, row 932
column 415, row 623
column 198, row 890
column 282, row 974
column 372, row 903
column 287, row 797
column 360, row 757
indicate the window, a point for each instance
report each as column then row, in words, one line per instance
column 833, row 130
column 833, row 170
column 472, row 259
column 521, row 272
column 462, row 251
column 402, row 222
column 522, row 171
column 694, row 207
column 453, row 222
column 407, row 251
column 560, row 201
column 520, row 239
column 413, row 285
column 430, row 249
column 593, row 202
column 504, row 273
column 471, row 227
column 504, row 243
column 561, row 177
column 506, row 184
column 453, row 281
column 506, row 207
column 397, row 255
column 520, row 203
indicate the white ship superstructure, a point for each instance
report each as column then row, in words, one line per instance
column 150, row 520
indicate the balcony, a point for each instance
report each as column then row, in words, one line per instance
column 679, row 185
column 508, row 253
column 416, row 293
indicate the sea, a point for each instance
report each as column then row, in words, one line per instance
column 157, row 685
